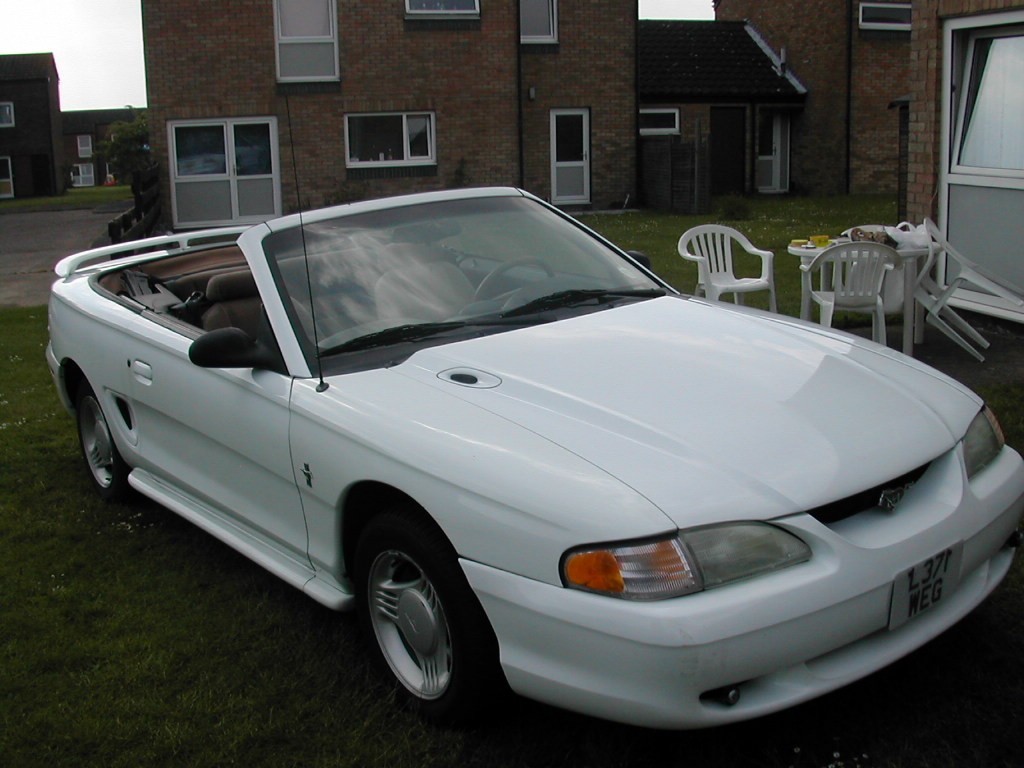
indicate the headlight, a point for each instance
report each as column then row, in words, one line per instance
column 693, row 560
column 983, row 442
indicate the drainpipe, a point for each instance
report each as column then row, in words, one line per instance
column 849, row 90
column 519, row 96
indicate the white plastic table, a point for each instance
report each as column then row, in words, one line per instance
column 909, row 257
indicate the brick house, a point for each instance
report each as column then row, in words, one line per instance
column 854, row 58
column 287, row 103
column 716, row 91
column 966, row 153
column 31, row 154
column 84, row 130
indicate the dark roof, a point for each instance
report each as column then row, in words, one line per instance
column 86, row 120
column 27, row 66
column 708, row 61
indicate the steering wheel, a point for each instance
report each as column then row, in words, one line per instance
column 486, row 289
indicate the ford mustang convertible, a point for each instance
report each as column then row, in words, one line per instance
column 528, row 463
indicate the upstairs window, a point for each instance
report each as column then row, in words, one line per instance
column 85, row 145
column 393, row 139
column 538, row 21
column 307, row 40
column 442, row 8
column 885, row 16
column 6, row 114
column 659, row 122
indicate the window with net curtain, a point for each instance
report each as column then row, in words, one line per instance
column 442, row 6
column 991, row 135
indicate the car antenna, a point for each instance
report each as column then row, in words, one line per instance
column 323, row 385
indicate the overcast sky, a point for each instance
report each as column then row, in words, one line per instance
column 98, row 43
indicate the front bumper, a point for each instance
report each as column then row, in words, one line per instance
column 779, row 639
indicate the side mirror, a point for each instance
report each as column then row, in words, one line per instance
column 232, row 348
column 642, row 259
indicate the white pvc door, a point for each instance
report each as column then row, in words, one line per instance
column 570, row 156
column 773, row 152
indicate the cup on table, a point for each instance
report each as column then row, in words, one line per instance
column 820, row 241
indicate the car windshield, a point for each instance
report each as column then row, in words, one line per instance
column 442, row 271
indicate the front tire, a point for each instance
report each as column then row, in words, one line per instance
column 423, row 622
column 108, row 471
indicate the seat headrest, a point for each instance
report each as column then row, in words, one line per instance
column 231, row 285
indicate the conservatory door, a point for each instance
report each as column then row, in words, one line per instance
column 224, row 171
column 982, row 190
column 570, row 156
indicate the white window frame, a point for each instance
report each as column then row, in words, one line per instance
column 84, row 145
column 959, row 117
column 6, row 108
column 673, row 131
column 83, row 175
column 429, row 159
column 7, row 180
column 282, row 41
column 439, row 13
column 552, row 6
column 879, row 25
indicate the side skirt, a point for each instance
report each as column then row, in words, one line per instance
column 299, row 575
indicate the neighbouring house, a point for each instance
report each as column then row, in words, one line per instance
column 966, row 158
column 84, row 132
column 716, row 103
column 31, row 153
column 854, row 59
column 282, row 105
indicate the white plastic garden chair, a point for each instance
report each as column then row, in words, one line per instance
column 851, row 277
column 935, row 298
column 711, row 247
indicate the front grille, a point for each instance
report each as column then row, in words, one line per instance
column 841, row 509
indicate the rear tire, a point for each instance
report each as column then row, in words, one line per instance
column 108, row 471
column 423, row 622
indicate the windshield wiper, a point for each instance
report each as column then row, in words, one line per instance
column 415, row 332
column 577, row 297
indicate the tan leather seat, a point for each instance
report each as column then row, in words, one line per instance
column 236, row 302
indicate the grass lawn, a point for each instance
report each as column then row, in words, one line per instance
column 78, row 197
column 130, row 638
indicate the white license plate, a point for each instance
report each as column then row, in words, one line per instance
column 924, row 586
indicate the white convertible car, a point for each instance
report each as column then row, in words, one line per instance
column 529, row 463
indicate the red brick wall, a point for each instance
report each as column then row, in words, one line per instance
column 36, row 133
column 850, row 74
column 594, row 67
column 206, row 62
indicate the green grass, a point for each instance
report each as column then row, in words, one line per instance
column 128, row 637
column 79, row 197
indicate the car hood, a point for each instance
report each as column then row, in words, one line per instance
column 711, row 413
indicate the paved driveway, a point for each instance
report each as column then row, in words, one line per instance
column 32, row 243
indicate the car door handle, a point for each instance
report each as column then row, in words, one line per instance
column 143, row 372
